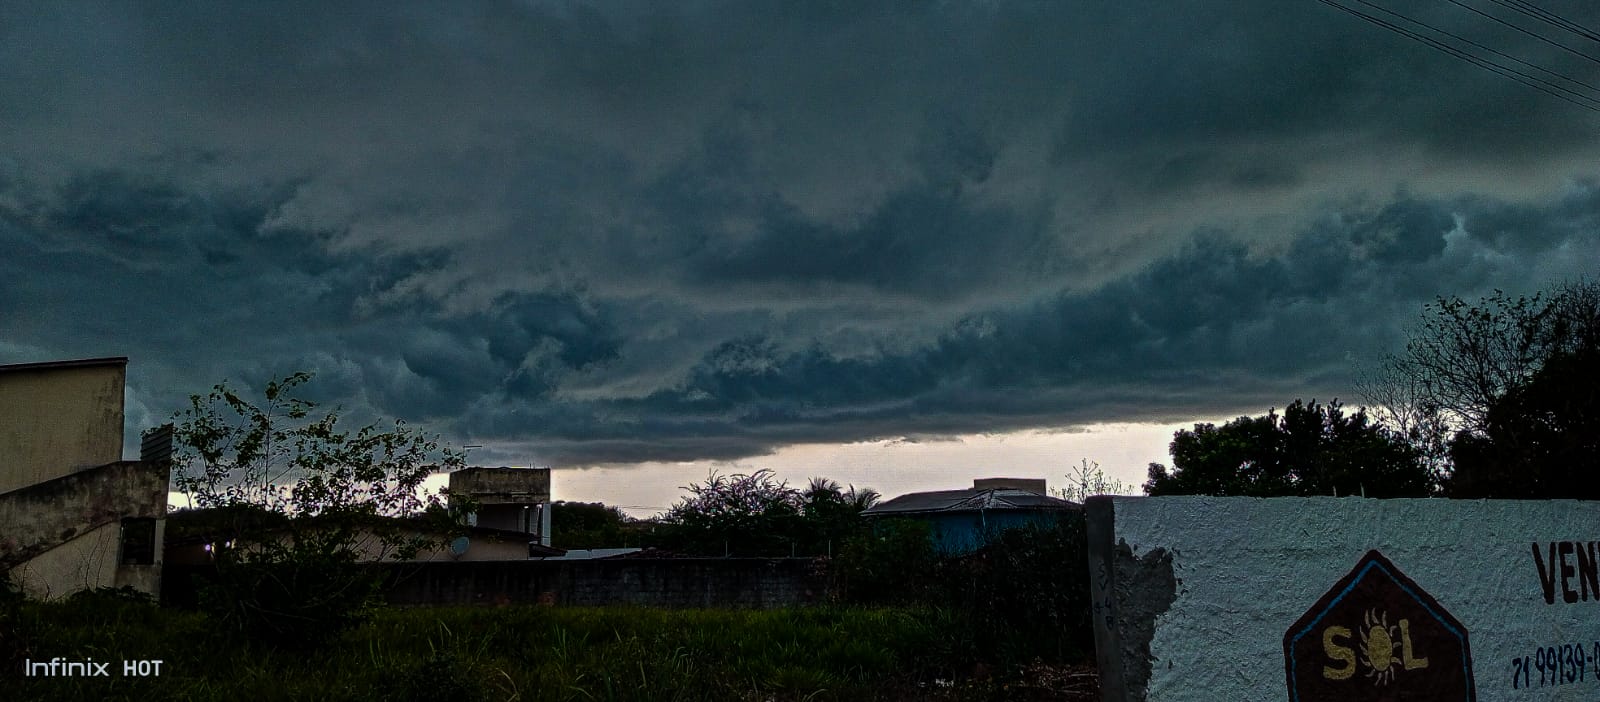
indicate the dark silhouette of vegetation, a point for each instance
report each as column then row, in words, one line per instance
column 894, row 563
column 582, row 525
column 1493, row 394
column 15, row 638
column 1310, row 449
column 832, row 514
column 297, row 502
column 1023, row 596
column 823, row 654
column 759, row 515
column 1026, row 593
column 743, row 515
column 1088, row 479
column 1538, row 440
column 1461, row 358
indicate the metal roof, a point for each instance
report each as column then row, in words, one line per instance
column 589, row 554
column 56, row 365
column 969, row 500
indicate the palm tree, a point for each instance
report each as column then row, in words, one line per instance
column 821, row 488
column 862, row 499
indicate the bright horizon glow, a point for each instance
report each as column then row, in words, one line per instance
column 892, row 467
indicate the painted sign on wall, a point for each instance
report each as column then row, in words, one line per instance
column 1377, row 635
column 1310, row 599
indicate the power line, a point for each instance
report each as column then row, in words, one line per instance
column 1548, row 17
column 1535, row 35
column 1489, row 49
column 1538, row 84
column 1541, row 85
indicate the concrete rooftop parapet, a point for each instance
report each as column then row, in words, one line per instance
column 502, row 486
column 42, row 516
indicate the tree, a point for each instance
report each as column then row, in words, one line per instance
column 759, row 515
column 1465, row 374
column 1087, row 480
column 299, row 501
column 831, row 514
column 1539, row 440
column 1309, row 450
column 1402, row 402
column 1461, row 359
column 744, row 515
column 587, row 525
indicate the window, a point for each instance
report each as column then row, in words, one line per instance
column 138, row 541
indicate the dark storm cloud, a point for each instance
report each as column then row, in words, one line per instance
column 619, row 233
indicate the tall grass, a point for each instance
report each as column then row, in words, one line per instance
column 510, row 653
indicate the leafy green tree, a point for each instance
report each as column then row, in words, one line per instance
column 1308, row 450
column 587, row 525
column 300, row 501
column 1538, row 440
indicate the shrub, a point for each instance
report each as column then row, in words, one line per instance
column 112, row 597
column 894, row 564
column 293, row 596
column 1024, row 595
column 14, row 639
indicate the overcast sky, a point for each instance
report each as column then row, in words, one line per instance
column 655, row 236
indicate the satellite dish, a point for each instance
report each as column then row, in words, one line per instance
column 459, row 546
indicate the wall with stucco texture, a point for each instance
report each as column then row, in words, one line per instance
column 36, row 518
column 1203, row 590
column 83, row 563
column 54, row 421
column 498, row 486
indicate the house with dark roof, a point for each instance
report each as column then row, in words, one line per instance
column 962, row 521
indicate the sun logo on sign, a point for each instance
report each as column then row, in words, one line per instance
column 1378, row 648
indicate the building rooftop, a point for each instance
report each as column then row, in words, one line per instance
column 56, row 365
column 501, row 486
column 589, row 554
column 971, row 499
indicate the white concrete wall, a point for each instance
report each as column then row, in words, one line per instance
column 84, row 563
column 1247, row 569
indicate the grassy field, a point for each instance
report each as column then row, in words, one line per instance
column 531, row 653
